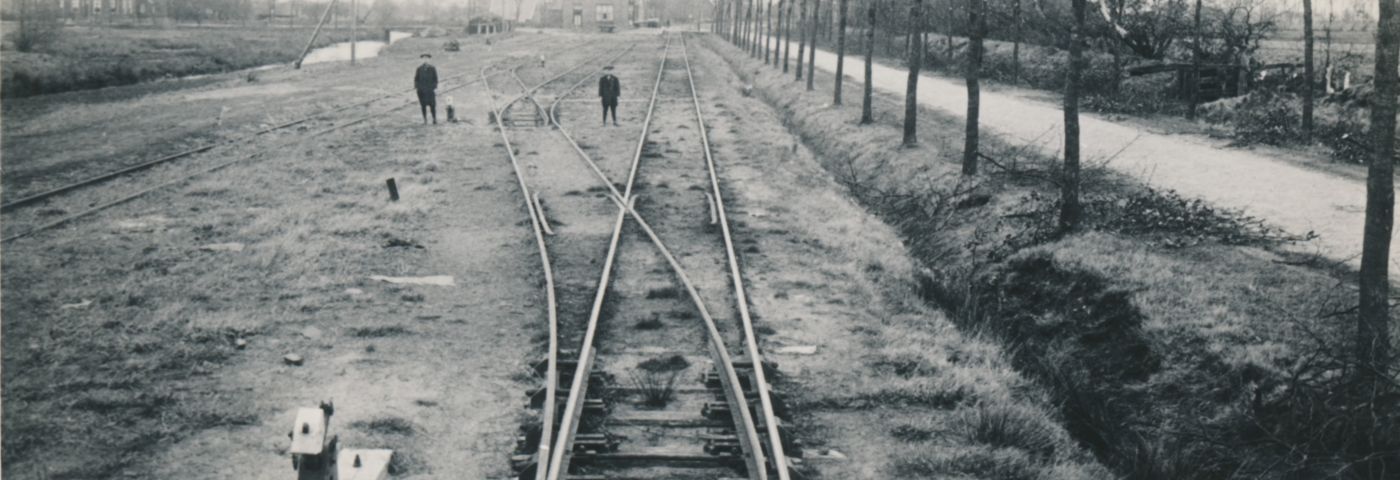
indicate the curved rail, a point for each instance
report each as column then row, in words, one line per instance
column 559, row 462
column 536, row 224
column 44, row 195
column 547, row 415
column 744, row 423
column 774, row 437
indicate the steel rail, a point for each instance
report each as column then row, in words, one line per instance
column 543, row 460
column 740, row 297
column 529, row 92
column 744, row 424
column 140, row 193
column 40, row 196
column 551, row 375
column 537, row 221
column 559, row 462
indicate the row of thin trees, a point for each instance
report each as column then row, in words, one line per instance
column 764, row 28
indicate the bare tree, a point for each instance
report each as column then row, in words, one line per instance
column 840, row 55
column 767, row 30
column 1373, row 319
column 1016, row 35
column 866, row 115
column 1308, row 74
column 801, row 36
column 812, row 49
column 977, row 26
column 1070, row 210
column 782, row 29
column 787, row 43
column 1196, row 48
column 911, row 92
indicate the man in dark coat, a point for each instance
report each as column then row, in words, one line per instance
column 425, row 80
column 609, row 88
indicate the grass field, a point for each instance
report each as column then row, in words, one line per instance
column 84, row 57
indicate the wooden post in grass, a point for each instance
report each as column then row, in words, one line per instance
column 314, row 33
column 393, row 190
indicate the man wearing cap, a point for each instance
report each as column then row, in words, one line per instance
column 609, row 88
column 425, row 81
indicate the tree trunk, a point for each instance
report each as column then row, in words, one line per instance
column 1373, row 317
column 976, row 23
column 767, row 32
column 866, row 115
column 752, row 36
column 778, row 47
column 1016, row 42
column 840, row 55
column 801, row 36
column 787, row 40
column 1196, row 64
column 1308, row 71
column 911, row 93
column 812, row 49
column 1070, row 210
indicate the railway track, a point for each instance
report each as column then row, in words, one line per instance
column 646, row 321
column 64, row 197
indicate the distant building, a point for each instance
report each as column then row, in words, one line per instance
column 80, row 9
column 582, row 14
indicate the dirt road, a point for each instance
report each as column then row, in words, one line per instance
column 1294, row 198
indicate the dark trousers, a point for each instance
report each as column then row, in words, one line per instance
column 427, row 101
column 609, row 104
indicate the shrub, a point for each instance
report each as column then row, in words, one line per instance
column 657, row 388
column 1010, row 426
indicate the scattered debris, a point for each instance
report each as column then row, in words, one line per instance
column 395, row 242
column 354, row 291
column 797, row 350
column 142, row 224
column 222, row 247
column 438, row 280
column 830, row 454
column 75, row 306
column 240, row 344
column 293, row 359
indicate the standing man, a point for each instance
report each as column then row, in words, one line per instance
column 609, row 88
column 425, row 81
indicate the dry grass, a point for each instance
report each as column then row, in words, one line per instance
column 892, row 375
column 1158, row 333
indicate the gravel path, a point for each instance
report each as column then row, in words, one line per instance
column 1291, row 197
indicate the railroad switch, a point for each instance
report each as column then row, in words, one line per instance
column 313, row 450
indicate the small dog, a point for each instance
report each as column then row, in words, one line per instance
column 451, row 111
